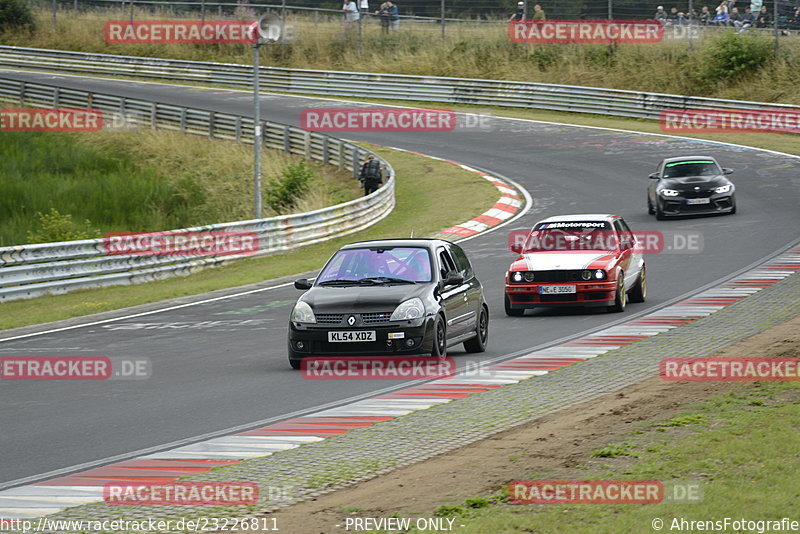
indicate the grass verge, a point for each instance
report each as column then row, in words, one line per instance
column 741, row 446
column 56, row 187
column 418, row 211
column 722, row 64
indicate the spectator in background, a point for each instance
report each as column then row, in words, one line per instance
column 383, row 17
column 351, row 15
column 721, row 18
column 672, row 18
column 519, row 14
column 660, row 15
column 371, row 175
column 538, row 13
column 683, row 20
column 763, row 20
column 705, row 16
column 394, row 15
column 735, row 19
column 746, row 20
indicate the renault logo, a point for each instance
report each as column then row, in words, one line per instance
column 697, row 188
column 351, row 320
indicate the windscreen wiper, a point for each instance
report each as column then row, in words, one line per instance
column 386, row 280
column 339, row 282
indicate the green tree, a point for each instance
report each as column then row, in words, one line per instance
column 15, row 14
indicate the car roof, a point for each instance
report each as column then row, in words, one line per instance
column 581, row 217
column 399, row 242
column 687, row 158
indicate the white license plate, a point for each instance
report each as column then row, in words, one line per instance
column 357, row 335
column 556, row 290
column 698, row 200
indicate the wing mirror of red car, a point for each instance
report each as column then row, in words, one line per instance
column 516, row 248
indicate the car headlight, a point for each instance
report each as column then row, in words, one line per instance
column 586, row 275
column 302, row 313
column 600, row 274
column 410, row 309
column 528, row 276
column 517, row 276
column 724, row 188
column 670, row 192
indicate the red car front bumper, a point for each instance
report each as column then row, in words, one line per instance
column 522, row 296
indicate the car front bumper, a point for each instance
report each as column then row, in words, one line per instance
column 718, row 203
column 407, row 337
column 587, row 294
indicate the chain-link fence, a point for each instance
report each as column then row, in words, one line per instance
column 684, row 20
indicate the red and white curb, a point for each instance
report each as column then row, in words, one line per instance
column 55, row 495
column 507, row 206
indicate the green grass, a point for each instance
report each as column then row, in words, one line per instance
column 420, row 210
column 138, row 181
column 746, row 459
column 614, row 451
column 723, row 65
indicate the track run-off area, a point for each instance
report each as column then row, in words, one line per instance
column 219, row 364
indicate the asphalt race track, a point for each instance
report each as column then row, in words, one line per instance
column 222, row 364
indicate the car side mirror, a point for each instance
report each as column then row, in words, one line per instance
column 726, row 170
column 302, row 283
column 453, row 279
column 516, row 248
column 653, row 176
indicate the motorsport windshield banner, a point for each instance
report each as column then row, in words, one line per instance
column 586, row 31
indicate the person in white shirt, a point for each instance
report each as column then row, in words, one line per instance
column 351, row 14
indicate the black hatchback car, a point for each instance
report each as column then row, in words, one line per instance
column 690, row 185
column 390, row 297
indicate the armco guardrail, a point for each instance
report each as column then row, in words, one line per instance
column 33, row 270
column 363, row 84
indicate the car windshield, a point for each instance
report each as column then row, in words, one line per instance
column 381, row 265
column 681, row 169
column 565, row 236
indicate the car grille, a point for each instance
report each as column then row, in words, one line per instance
column 375, row 318
column 691, row 193
column 366, row 318
column 329, row 318
column 556, row 276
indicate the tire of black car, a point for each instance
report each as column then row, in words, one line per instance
column 439, row 345
column 481, row 340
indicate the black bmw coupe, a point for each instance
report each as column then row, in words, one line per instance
column 690, row 185
column 392, row 297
